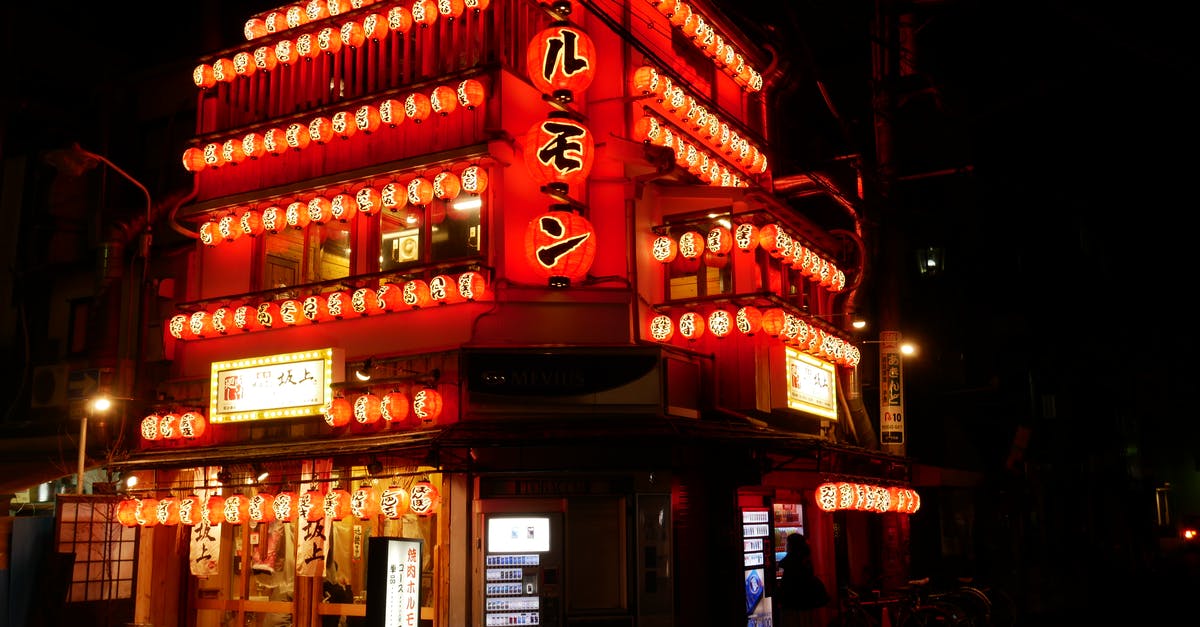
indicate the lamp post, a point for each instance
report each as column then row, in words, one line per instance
column 101, row 404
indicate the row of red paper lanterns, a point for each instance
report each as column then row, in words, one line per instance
column 832, row 497
column 394, row 408
column 688, row 111
column 442, row 100
column 745, row 237
column 187, row 425
column 329, row 40
column 705, row 38
column 364, row 503
column 296, row 15
column 442, row 289
column 749, row 321
column 700, row 163
column 343, row 206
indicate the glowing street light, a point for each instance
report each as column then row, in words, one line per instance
column 99, row 404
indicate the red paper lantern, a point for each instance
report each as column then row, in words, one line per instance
column 477, row 5
column 560, row 61
column 367, row 409
column 773, row 321
column 427, row 405
column 393, row 502
column 364, row 503
column 353, row 34
column 661, row 328
column 424, row 499
column 315, row 308
column 236, row 509
column 180, row 328
column 720, row 323
column 316, row 10
column 420, row 191
column 826, row 497
column 167, row 511
column 647, row 81
column 343, row 207
column 365, row 302
column 391, row 112
column 275, row 141
column 329, row 40
column 190, row 510
column 251, row 223
column 222, row 320
column 320, row 210
column 772, row 239
column 223, row 70
column 561, row 246
column 127, row 512
column 391, row 297
column 450, row 9
column 443, row 100
column 474, row 179
column 192, row 425
column 284, row 506
column 307, row 47
column 213, row 155
column 471, row 286
column 343, row 124
column 213, row 511
column 338, row 412
column 243, row 64
column 416, row 294
column 168, row 426
column 719, row 241
column 559, row 152
column 394, row 196
column 297, row 136
column 230, row 227
column 262, row 507
column 265, row 59
column 366, row 119
column 150, row 427
column 267, row 315
column 203, row 76
column 338, row 304
column 691, row 326
column 291, row 312
column 749, row 320
column 691, row 245
column 470, row 93
column 193, row 160
column 336, row 504
column 375, row 26
column 320, row 129
column 424, row 13
column 417, row 107
column 245, row 317
column 443, row 289
column 147, row 513
column 664, row 249
column 399, row 19
column 394, row 408
column 274, row 219
column 368, row 200
column 446, row 185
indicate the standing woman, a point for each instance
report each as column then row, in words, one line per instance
column 801, row 592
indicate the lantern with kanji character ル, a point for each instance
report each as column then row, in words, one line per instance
column 367, row 409
column 364, row 503
column 560, row 245
column 427, row 405
column 661, row 328
column 424, row 499
column 336, row 504
column 393, row 502
column 559, row 152
column 561, row 61
column 338, row 412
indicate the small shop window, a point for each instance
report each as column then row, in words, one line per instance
column 105, row 552
column 697, row 272
column 315, row 253
column 444, row 230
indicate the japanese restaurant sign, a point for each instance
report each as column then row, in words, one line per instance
column 394, row 582
column 811, row 384
column 274, row 386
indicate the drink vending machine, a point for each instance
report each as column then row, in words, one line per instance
column 522, row 563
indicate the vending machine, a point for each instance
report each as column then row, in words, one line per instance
column 756, row 538
column 522, row 569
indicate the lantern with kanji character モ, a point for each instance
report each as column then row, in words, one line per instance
column 561, row 61
column 559, row 152
column 561, row 246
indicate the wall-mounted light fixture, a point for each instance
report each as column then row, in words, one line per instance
column 364, row 373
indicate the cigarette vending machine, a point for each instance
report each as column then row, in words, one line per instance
column 522, row 568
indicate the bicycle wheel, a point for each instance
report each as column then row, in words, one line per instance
column 1003, row 608
column 974, row 602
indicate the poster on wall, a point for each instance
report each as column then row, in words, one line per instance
column 756, row 539
column 394, row 581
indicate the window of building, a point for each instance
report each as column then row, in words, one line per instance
column 105, row 551
column 313, row 254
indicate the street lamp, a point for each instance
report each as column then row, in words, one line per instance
column 99, row 404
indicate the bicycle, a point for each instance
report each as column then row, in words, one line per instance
column 989, row 605
column 855, row 611
column 924, row 609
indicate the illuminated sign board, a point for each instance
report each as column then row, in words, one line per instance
column 275, row 386
column 811, row 384
column 394, row 582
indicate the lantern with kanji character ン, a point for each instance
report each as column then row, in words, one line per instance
column 559, row 152
column 561, row 246
column 560, row 60
column 424, row 499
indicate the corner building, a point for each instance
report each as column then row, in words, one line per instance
column 494, row 317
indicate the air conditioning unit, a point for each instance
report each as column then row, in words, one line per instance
column 49, row 386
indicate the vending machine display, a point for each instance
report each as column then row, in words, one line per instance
column 787, row 518
column 756, row 536
column 520, row 572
